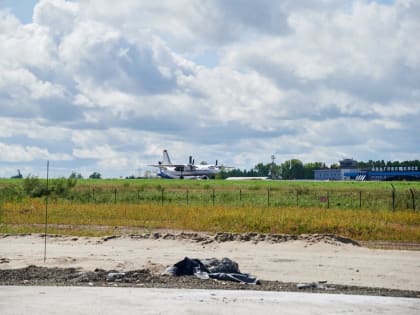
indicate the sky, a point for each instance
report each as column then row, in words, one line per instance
column 93, row 86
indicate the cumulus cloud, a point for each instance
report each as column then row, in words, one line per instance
column 110, row 86
column 57, row 16
column 18, row 153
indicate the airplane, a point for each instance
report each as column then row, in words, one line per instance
column 186, row 171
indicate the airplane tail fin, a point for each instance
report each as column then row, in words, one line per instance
column 166, row 158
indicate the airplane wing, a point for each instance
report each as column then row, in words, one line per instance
column 173, row 165
column 222, row 167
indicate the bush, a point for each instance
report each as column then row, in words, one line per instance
column 34, row 187
column 11, row 193
column 61, row 186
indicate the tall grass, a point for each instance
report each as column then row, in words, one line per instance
column 360, row 224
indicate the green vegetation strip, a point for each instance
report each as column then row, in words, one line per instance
column 345, row 195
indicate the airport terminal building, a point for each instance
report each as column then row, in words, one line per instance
column 348, row 171
column 346, row 166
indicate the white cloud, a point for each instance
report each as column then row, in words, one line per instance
column 18, row 153
column 98, row 152
column 21, row 82
column 26, row 45
column 111, row 86
column 367, row 41
column 34, row 129
column 58, row 16
column 232, row 96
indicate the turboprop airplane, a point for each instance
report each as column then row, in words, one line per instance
column 188, row 171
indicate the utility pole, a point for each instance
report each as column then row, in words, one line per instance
column 46, row 214
column 273, row 175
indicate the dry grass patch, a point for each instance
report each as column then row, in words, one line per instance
column 360, row 224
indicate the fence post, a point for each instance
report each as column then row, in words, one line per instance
column 162, row 196
column 93, row 194
column 393, row 197
column 328, row 199
column 268, row 196
column 413, row 199
column 115, row 195
column 240, row 194
column 1, row 208
column 187, row 197
column 213, row 196
column 297, row 198
column 360, row 199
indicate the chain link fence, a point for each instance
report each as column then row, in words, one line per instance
column 272, row 197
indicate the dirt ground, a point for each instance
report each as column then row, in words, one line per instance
column 318, row 263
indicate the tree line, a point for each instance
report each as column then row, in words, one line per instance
column 296, row 169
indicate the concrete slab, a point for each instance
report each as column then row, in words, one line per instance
column 96, row 300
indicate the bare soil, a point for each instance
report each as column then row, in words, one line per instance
column 33, row 275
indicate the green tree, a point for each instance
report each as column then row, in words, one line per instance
column 262, row 169
column 75, row 175
column 296, row 171
column 292, row 169
column 95, row 175
column 308, row 169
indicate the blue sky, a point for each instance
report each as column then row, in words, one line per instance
column 92, row 86
column 22, row 9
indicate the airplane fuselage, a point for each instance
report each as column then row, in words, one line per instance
column 189, row 171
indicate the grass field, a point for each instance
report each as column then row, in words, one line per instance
column 176, row 183
column 293, row 207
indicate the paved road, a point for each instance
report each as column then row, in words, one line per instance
column 94, row 300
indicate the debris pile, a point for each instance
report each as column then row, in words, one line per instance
column 320, row 285
column 221, row 237
column 225, row 270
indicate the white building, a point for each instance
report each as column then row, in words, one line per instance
column 332, row 174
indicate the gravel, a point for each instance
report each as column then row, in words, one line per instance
column 34, row 275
